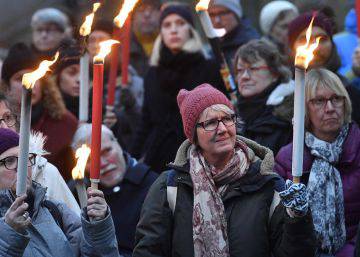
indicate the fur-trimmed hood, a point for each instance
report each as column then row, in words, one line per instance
column 255, row 151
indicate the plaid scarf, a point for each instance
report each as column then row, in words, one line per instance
column 210, row 184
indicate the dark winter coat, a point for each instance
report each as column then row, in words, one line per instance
column 349, row 168
column 44, row 237
column 247, row 204
column 231, row 42
column 357, row 246
column 160, row 131
column 125, row 201
column 259, row 123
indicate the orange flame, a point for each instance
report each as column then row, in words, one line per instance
column 82, row 154
column 127, row 7
column 85, row 28
column 202, row 5
column 305, row 53
column 29, row 79
column 105, row 49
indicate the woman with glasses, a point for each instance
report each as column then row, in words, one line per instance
column 264, row 82
column 7, row 118
column 219, row 198
column 177, row 61
column 331, row 163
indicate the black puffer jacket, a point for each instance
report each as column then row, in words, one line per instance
column 247, row 206
column 160, row 132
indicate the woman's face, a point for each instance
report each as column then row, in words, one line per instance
column 16, row 88
column 69, row 80
column 6, row 115
column 323, row 52
column 7, row 176
column 95, row 38
column 219, row 142
column 326, row 114
column 253, row 78
column 175, row 31
column 279, row 30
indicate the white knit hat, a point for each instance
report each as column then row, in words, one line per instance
column 50, row 15
column 232, row 5
column 271, row 11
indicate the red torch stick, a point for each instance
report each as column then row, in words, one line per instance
column 113, row 68
column 357, row 11
column 125, row 54
column 98, row 80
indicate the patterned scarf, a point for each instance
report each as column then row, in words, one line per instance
column 209, row 220
column 325, row 193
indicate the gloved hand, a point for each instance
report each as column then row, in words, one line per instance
column 294, row 198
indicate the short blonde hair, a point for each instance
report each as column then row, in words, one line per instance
column 327, row 79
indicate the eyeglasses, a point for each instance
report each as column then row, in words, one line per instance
column 213, row 124
column 9, row 119
column 320, row 102
column 250, row 70
column 11, row 162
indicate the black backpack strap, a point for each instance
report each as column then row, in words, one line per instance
column 55, row 213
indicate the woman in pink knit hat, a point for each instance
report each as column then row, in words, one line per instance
column 221, row 197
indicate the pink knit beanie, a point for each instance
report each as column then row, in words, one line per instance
column 193, row 103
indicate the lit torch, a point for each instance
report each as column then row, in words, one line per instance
column 122, row 30
column 98, row 74
column 28, row 82
column 85, row 31
column 213, row 36
column 82, row 155
column 304, row 55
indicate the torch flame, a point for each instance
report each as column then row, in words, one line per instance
column 85, row 28
column 105, row 49
column 202, row 5
column 305, row 53
column 82, row 154
column 29, row 79
column 127, row 7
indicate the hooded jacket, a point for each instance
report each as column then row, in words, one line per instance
column 349, row 168
column 44, row 237
column 247, row 204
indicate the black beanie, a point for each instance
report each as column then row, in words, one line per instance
column 103, row 25
column 20, row 57
column 70, row 53
column 180, row 9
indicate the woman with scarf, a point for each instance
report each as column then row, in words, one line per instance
column 220, row 199
column 264, row 82
column 177, row 62
column 331, row 163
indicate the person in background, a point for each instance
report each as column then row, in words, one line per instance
column 145, row 29
column 228, row 14
column 49, row 27
column 219, row 197
column 32, row 226
column 177, row 61
column 264, row 82
column 357, row 246
column 49, row 114
column 43, row 171
column 275, row 17
column 325, row 55
column 331, row 163
column 124, row 181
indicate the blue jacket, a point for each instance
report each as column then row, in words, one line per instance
column 44, row 237
column 346, row 42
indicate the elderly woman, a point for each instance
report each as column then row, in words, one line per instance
column 177, row 62
column 264, row 82
column 331, row 163
column 219, row 198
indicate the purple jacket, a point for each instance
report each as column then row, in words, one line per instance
column 349, row 167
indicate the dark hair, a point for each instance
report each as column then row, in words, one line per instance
column 258, row 49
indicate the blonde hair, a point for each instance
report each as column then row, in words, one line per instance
column 327, row 79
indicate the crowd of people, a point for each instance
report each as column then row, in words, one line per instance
column 185, row 170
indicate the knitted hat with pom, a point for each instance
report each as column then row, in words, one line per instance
column 193, row 103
